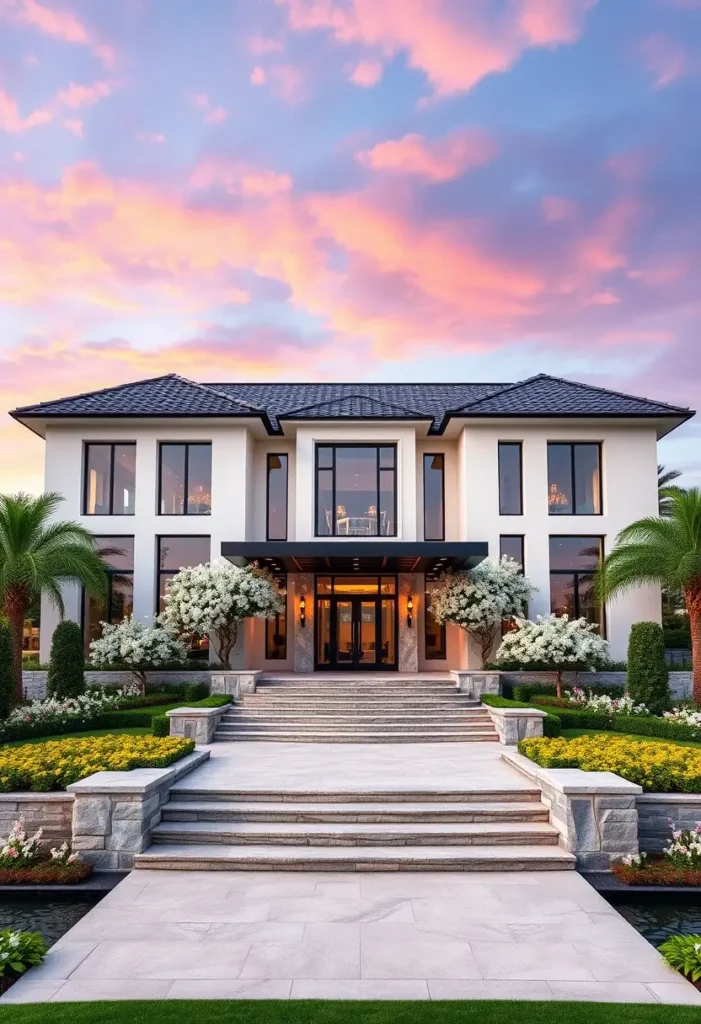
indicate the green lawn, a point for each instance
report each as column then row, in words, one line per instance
column 570, row 734
column 334, row 1012
column 133, row 731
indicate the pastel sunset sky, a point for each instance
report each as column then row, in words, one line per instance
column 349, row 189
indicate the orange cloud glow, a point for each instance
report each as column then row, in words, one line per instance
column 438, row 160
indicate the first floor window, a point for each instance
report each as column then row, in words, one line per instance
column 512, row 546
column 185, row 480
column 118, row 555
column 573, row 561
column 574, row 479
column 434, row 632
column 276, row 636
column 175, row 553
column 110, row 479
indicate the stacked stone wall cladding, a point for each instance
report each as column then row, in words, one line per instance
column 658, row 813
column 52, row 812
column 679, row 682
column 34, row 682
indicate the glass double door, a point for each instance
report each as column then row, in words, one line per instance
column 356, row 633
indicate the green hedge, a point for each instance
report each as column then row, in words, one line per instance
column 527, row 691
column 660, row 727
column 551, row 723
column 7, row 675
column 160, row 725
column 66, row 675
column 648, row 675
column 677, row 638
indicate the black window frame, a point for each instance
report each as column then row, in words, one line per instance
column 573, row 476
column 273, row 626
column 109, row 444
column 186, row 445
column 111, row 573
column 200, row 653
column 443, row 654
column 333, row 445
column 576, row 573
column 286, row 457
column 512, row 536
column 511, row 444
column 433, row 455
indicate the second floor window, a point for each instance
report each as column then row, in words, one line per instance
column 277, row 497
column 510, row 489
column 356, row 491
column 574, row 479
column 434, row 494
column 573, row 562
column 110, row 479
column 185, row 479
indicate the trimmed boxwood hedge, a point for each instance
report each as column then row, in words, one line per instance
column 551, row 723
column 648, row 675
column 660, row 727
column 527, row 691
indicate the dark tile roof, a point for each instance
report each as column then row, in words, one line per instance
column 172, row 395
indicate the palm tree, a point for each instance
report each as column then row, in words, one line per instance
column 664, row 479
column 37, row 557
column 664, row 550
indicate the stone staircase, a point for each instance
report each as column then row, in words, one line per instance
column 417, row 830
column 357, row 709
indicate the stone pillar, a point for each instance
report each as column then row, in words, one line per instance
column 303, row 636
column 476, row 682
column 235, row 682
column 408, row 639
column 514, row 724
column 198, row 724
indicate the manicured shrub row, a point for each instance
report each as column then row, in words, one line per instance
column 648, row 675
column 527, row 691
column 41, row 767
column 657, row 767
column 551, row 723
column 637, row 725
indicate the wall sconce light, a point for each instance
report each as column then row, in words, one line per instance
column 410, row 610
column 302, row 612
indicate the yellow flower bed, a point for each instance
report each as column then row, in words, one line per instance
column 657, row 767
column 55, row 764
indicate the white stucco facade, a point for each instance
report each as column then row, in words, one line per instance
column 470, row 448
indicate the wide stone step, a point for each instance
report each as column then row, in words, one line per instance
column 427, row 705
column 206, row 857
column 263, row 714
column 282, row 736
column 336, row 834
column 347, row 725
column 386, row 798
column 186, row 810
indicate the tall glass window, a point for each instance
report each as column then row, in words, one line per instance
column 118, row 555
column 175, row 553
column 356, row 491
column 434, row 497
column 511, row 545
column 277, row 497
column 434, row 631
column 276, row 636
column 574, row 479
column 510, row 476
column 185, row 480
column 110, row 479
column 573, row 561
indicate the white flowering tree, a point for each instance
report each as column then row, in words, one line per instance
column 478, row 601
column 556, row 641
column 213, row 599
column 138, row 646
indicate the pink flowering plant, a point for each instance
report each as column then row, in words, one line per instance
column 20, row 850
column 685, row 849
column 62, row 855
column 624, row 705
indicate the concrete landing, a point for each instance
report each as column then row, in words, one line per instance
column 210, row 935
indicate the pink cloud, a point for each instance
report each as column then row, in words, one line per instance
column 454, row 43
column 289, row 84
column 367, row 73
column 74, row 125
column 557, row 208
column 239, row 178
column 76, row 96
column 63, row 25
column 12, row 121
column 213, row 114
column 154, row 138
column 260, row 45
column 258, row 75
column 435, row 160
column 665, row 59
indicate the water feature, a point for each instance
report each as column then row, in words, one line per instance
column 52, row 916
column 659, row 915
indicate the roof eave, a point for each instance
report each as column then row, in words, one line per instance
column 666, row 422
column 44, row 419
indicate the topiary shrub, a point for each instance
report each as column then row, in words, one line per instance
column 66, row 677
column 7, row 677
column 648, row 675
column 160, row 725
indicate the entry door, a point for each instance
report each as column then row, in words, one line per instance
column 356, row 632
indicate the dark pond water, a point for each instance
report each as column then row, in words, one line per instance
column 52, row 917
column 658, row 917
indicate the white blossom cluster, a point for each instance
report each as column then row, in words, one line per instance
column 624, row 705
column 685, row 848
column 206, row 598
column 683, row 716
column 557, row 640
column 19, row 849
column 494, row 590
column 55, row 710
column 136, row 645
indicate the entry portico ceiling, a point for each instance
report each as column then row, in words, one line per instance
column 349, row 557
column 280, row 408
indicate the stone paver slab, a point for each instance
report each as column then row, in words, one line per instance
column 535, row 961
column 489, row 989
column 325, row 951
column 674, row 993
column 407, row 951
column 161, row 961
column 361, row 989
column 602, row 992
column 276, row 988
column 88, row 991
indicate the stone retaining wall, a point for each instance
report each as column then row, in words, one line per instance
column 679, row 682
column 52, row 812
column 34, row 682
column 656, row 811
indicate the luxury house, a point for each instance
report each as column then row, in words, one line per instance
column 357, row 496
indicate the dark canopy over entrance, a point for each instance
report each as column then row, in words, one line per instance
column 388, row 556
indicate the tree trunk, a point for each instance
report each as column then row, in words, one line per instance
column 558, row 683
column 692, row 598
column 226, row 637
column 16, row 605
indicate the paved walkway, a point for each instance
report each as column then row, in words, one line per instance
column 209, row 935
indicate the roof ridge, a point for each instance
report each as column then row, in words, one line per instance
column 362, row 384
column 98, row 391
column 369, row 398
column 219, row 394
column 610, row 391
column 495, row 394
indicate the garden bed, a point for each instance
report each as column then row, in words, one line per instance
column 47, row 874
column 658, row 873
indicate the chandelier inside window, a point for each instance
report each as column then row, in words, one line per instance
column 556, row 497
